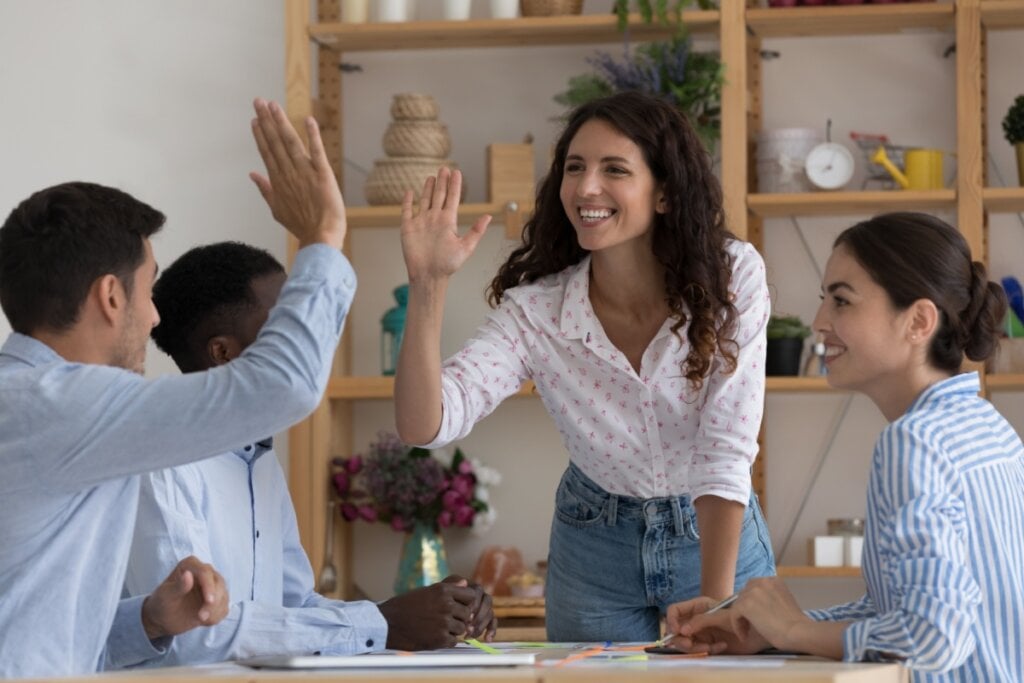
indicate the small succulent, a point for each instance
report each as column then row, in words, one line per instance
column 1013, row 124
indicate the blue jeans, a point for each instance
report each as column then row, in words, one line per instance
column 616, row 563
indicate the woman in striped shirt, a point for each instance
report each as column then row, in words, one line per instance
column 944, row 539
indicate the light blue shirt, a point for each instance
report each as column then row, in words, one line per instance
column 235, row 512
column 944, row 543
column 74, row 437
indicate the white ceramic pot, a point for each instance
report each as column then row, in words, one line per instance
column 392, row 10
column 456, row 9
column 504, row 9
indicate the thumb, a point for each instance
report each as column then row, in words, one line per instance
column 184, row 582
column 262, row 184
column 476, row 233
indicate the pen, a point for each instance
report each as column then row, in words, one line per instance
column 722, row 604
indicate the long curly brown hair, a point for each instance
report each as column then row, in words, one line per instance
column 689, row 240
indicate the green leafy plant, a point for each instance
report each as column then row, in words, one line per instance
column 1013, row 124
column 658, row 9
column 692, row 81
column 787, row 327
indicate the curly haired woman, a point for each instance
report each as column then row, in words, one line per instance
column 641, row 320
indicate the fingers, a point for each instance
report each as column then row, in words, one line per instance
column 437, row 199
column 407, row 206
column 262, row 184
column 425, row 196
column 454, row 190
column 268, row 138
column 317, row 154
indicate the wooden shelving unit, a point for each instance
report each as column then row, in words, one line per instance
column 739, row 30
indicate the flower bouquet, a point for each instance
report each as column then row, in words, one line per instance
column 402, row 486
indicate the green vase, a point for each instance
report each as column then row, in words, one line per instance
column 423, row 559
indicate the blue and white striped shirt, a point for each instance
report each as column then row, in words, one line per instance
column 944, row 543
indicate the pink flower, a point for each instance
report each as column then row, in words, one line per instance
column 464, row 516
column 463, row 484
column 349, row 512
column 368, row 512
column 452, row 500
column 341, row 482
column 398, row 524
column 465, row 467
column 445, row 519
column 354, row 464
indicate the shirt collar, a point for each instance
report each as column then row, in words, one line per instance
column 578, row 319
column 29, row 350
column 966, row 383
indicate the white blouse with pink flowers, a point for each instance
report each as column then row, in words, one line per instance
column 645, row 434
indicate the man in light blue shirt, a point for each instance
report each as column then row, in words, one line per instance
column 235, row 510
column 78, row 422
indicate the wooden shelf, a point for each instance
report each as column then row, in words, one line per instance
column 1009, row 381
column 808, row 572
column 1003, row 199
column 850, row 20
column 356, row 387
column 776, row 205
column 794, row 385
column 391, row 216
column 560, row 30
column 1002, row 14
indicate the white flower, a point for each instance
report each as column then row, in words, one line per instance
column 483, row 521
column 488, row 476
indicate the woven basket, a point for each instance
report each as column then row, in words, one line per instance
column 414, row 106
column 407, row 138
column 390, row 178
column 547, row 8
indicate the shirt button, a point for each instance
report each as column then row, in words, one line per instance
column 257, row 533
column 369, row 642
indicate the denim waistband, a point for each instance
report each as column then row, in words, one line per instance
column 678, row 509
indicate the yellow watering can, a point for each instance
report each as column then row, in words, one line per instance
column 922, row 168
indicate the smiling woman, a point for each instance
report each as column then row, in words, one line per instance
column 641, row 321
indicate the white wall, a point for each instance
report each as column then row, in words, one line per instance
column 154, row 97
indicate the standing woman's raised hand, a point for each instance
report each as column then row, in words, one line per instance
column 431, row 243
column 300, row 187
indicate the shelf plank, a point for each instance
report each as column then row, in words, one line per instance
column 359, row 387
column 1008, row 381
column 1002, row 14
column 849, row 20
column 1003, row 199
column 808, row 572
column 777, row 205
column 558, row 30
column 794, row 385
column 391, row 216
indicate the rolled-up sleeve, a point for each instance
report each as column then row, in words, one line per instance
column 731, row 416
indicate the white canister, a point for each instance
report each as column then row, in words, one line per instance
column 852, row 549
column 392, row 10
column 456, row 9
column 504, row 9
column 780, row 158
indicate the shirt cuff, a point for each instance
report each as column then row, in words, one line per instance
column 127, row 642
column 369, row 630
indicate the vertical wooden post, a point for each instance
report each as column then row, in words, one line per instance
column 970, row 109
column 733, row 30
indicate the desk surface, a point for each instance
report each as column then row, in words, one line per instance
column 709, row 670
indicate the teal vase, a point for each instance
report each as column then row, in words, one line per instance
column 423, row 559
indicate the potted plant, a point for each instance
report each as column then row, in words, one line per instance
column 690, row 80
column 658, row 9
column 786, row 334
column 1013, row 128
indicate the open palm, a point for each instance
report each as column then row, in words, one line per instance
column 431, row 243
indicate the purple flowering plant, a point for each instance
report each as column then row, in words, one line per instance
column 401, row 485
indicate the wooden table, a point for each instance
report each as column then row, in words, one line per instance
column 799, row 670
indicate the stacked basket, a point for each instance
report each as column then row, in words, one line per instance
column 417, row 145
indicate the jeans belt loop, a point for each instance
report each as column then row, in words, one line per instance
column 679, row 521
column 613, row 509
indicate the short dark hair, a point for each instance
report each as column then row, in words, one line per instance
column 916, row 256
column 690, row 239
column 56, row 243
column 207, row 288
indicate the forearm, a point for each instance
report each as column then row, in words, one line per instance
column 719, row 521
column 821, row 638
column 418, row 377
